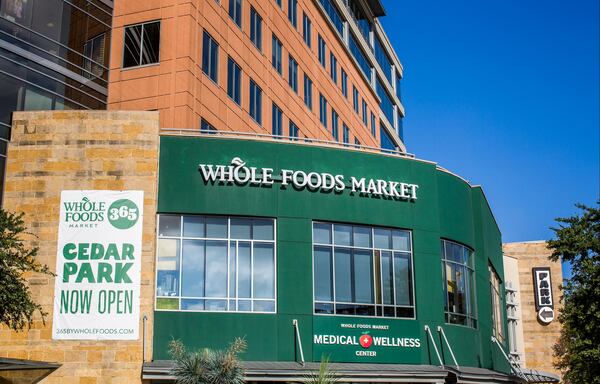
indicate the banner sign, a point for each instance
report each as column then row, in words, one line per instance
column 542, row 287
column 98, row 264
column 240, row 174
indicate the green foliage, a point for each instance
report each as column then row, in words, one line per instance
column 578, row 350
column 16, row 306
column 207, row 366
column 325, row 375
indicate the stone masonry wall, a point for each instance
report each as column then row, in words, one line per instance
column 538, row 337
column 76, row 150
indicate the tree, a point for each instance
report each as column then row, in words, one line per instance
column 325, row 375
column 578, row 243
column 207, row 366
column 16, row 259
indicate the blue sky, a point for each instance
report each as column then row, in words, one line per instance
column 506, row 94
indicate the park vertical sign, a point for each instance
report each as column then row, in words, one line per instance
column 98, row 264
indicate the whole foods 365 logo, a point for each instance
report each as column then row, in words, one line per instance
column 121, row 214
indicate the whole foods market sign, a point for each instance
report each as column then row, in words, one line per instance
column 98, row 263
column 240, row 174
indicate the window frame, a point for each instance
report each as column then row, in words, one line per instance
column 277, row 54
column 256, row 22
column 306, row 30
column 141, row 45
column 496, row 300
column 236, row 87
column 472, row 316
column 229, row 240
column 237, row 12
column 293, row 75
column 210, row 69
column 258, row 103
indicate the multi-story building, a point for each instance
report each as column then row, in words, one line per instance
column 53, row 55
column 250, row 179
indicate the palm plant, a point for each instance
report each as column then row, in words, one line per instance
column 325, row 375
column 207, row 366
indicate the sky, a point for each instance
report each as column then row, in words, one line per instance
column 505, row 94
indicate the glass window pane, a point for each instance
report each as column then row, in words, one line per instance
column 244, row 269
column 192, row 305
column 323, row 274
column 167, row 279
column 244, row 305
column 133, row 46
column 216, row 269
column 232, row 268
column 215, row 305
column 387, row 282
column 343, row 275
column 401, row 240
column 342, row 234
column 216, row 227
column 241, row 229
column 322, row 233
column 193, row 226
column 151, row 44
column 264, row 271
column 383, row 238
column 167, row 303
column 403, row 279
column 363, row 277
column 264, row 306
column 169, row 225
column 192, row 271
column 362, row 237
column 262, row 229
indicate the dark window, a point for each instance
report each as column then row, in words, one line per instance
column 356, row 142
column 293, row 131
column 322, row 50
column 333, row 67
column 276, row 54
column 360, row 57
column 142, row 44
column 277, row 123
column 293, row 73
column 346, row 135
column 334, row 15
column 323, row 110
column 398, row 93
column 235, row 11
column 255, row 107
column 278, row 3
column 335, row 118
column 306, row 30
column 293, row 12
column 234, row 80
column 365, row 112
column 383, row 59
column 344, row 83
column 387, row 144
column 308, row 92
column 386, row 105
column 255, row 28
column 210, row 56
column 364, row 25
column 355, row 98
column 207, row 127
column 459, row 284
column 373, row 123
column 93, row 52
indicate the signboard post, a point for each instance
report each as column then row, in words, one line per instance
column 98, row 265
column 542, row 287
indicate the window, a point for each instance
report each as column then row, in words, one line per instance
column 234, row 79
column 387, row 143
column 255, row 28
column 278, row 3
column 363, row 271
column 293, row 73
column 360, row 57
column 373, row 125
column 364, row 25
column 93, row 57
column 235, row 11
column 333, row 67
column 306, row 30
column 334, row 124
column 356, row 142
column 215, row 263
column 346, row 135
column 497, row 307
column 277, row 115
column 293, row 131
column 323, row 110
column 383, row 59
column 141, row 45
column 255, row 107
column 334, row 15
column 276, row 54
column 386, row 105
column 210, row 56
column 322, row 50
column 511, row 316
column 355, row 98
column 293, row 12
column 398, row 93
column 365, row 112
column 308, row 91
column 459, row 284
column 207, row 127
column 344, row 83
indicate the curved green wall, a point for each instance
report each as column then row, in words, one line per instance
column 446, row 207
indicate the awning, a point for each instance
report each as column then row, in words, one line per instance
column 24, row 371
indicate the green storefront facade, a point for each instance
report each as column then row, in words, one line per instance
column 428, row 206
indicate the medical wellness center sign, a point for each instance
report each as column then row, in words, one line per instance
column 98, row 263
